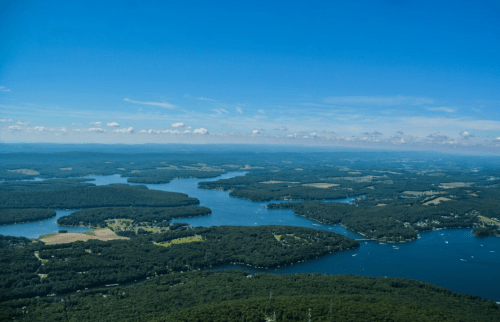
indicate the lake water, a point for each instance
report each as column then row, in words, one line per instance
column 453, row 258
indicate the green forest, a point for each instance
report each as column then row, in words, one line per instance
column 96, row 217
column 387, row 223
column 12, row 216
column 95, row 196
column 238, row 296
column 164, row 271
column 37, row 269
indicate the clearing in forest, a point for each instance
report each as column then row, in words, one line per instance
column 488, row 221
column 27, row 172
column 423, row 193
column 436, row 201
column 451, row 185
column 104, row 234
column 183, row 240
column 321, row 185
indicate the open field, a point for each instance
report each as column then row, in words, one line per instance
column 104, row 234
column 127, row 225
column 488, row 221
column 422, row 193
column 184, row 240
column 321, row 185
column 436, row 201
column 119, row 224
column 273, row 182
column 27, row 172
column 451, row 185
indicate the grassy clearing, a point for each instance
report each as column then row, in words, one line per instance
column 27, row 172
column 184, row 240
column 278, row 237
column 127, row 225
column 488, row 221
column 436, row 201
column 321, row 185
column 423, row 193
column 301, row 239
column 451, row 185
column 103, row 234
column 119, row 224
column 48, row 235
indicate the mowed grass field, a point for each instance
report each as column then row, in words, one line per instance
column 184, row 240
column 104, row 234
column 488, row 221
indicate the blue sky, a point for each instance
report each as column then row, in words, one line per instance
column 402, row 74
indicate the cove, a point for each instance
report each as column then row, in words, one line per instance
column 451, row 258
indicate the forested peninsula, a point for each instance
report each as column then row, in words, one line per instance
column 95, row 196
column 384, row 223
column 36, row 269
column 12, row 216
column 160, row 217
column 238, row 296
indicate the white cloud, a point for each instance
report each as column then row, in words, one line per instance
column 5, row 120
column 220, row 111
column 22, row 123
column 239, row 110
column 96, row 129
column 40, row 129
column 113, row 124
column 261, row 111
column 127, row 130
column 466, row 135
column 96, row 123
column 4, row 89
column 281, row 128
column 15, row 128
column 206, row 99
column 165, row 105
column 255, row 132
column 200, row 131
column 179, row 124
column 379, row 100
column 166, row 131
column 441, row 109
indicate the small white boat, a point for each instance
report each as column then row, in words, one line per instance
column 463, row 260
column 355, row 255
column 446, row 242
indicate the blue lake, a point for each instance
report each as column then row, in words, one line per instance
column 454, row 259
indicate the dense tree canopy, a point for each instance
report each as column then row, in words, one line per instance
column 96, row 217
column 238, row 296
column 12, row 216
column 97, row 196
column 74, row 266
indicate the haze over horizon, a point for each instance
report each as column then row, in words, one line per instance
column 387, row 74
